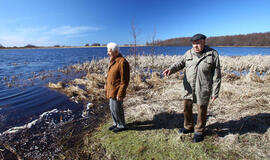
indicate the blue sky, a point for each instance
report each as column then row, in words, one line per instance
column 77, row 22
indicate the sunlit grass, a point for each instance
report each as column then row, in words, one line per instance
column 154, row 144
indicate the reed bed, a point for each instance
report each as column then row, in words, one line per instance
column 257, row 63
column 238, row 121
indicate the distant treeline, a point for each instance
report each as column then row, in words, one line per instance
column 55, row 46
column 253, row 39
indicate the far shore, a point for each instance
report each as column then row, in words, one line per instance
column 51, row 47
column 38, row 47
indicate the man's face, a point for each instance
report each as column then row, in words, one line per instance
column 198, row 45
column 112, row 54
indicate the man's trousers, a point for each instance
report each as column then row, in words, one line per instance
column 117, row 112
column 188, row 116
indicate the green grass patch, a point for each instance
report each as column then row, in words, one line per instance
column 153, row 144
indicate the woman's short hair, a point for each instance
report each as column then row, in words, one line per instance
column 113, row 46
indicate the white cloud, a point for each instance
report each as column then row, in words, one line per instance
column 43, row 36
column 24, row 31
column 19, row 41
column 68, row 30
column 43, row 41
column 12, row 40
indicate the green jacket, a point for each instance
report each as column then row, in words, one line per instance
column 202, row 76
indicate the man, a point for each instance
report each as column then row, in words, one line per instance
column 116, row 85
column 202, row 79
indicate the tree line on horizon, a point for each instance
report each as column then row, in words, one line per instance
column 253, row 39
column 56, row 46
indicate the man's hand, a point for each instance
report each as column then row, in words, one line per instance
column 167, row 72
column 119, row 98
column 213, row 99
column 105, row 86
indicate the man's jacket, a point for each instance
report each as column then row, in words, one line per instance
column 117, row 78
column 202, row 76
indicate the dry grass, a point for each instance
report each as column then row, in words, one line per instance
column 88, row 88
column 256, row 63
column 238, row 121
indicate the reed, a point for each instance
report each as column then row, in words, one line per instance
column 238, row 121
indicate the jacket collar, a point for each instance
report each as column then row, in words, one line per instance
column 117, row 58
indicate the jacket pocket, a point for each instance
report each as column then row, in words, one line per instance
column 207, row 64
column 189, row 62
column 209, row 60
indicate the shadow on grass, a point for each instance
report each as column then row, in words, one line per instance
column 258, row 123
column 162, row 120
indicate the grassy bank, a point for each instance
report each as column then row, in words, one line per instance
column 148, row 142
column 237, row 126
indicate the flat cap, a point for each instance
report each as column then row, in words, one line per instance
column 197, row 37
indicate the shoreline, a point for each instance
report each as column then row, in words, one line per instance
column 6, row 48
column 12, row 48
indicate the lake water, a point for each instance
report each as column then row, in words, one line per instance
column 29, row 98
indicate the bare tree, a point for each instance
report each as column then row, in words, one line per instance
column 153, row 47
column 134, row 35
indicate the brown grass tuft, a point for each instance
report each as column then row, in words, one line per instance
column 230, row 77
column 59, row 85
